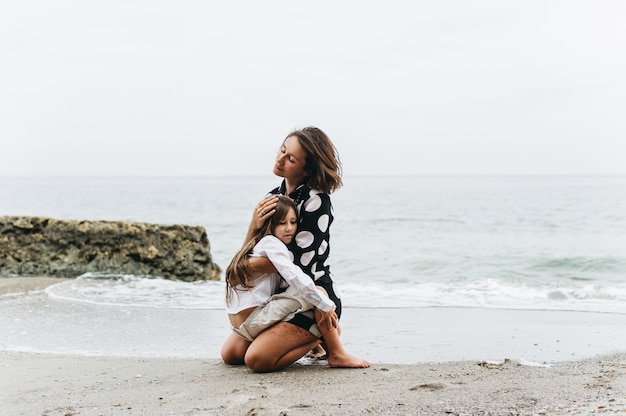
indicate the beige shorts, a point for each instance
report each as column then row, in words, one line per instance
column 279, row 307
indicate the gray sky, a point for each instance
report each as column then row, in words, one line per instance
column 402, row 87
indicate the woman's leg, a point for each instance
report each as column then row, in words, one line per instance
column 337, row 356
column 279, row 346
column 234, row 349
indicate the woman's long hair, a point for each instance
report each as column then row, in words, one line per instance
column 239, row 271
column 322, row 159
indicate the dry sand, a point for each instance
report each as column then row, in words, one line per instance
column 36, row 384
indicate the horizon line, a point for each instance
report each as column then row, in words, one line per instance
column 390, row 175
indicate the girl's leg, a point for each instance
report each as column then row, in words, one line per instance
column 234, row 349
column 278, row 347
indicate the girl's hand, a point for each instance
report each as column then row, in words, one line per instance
column 264, row 210
column 328, row 318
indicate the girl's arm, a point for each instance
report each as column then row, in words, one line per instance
column 278, row 254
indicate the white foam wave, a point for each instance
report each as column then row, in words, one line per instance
column 150, row 292
column 488, row 293
column 140, row 291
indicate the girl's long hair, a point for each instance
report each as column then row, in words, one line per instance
column 239, row 272
column 322, row 159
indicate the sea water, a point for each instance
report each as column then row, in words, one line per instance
column 504, row 242
column 491, row 242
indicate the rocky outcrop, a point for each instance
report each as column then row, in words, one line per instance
column 35, row 246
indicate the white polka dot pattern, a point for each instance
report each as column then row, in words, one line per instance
column 322, row 248
column 304, row 239
column 306, row 258
column 313, row 204
column 317, row 274
column 322, row 223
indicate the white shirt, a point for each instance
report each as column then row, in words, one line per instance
column 266, row 284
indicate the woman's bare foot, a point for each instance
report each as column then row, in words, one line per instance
column 345, row 360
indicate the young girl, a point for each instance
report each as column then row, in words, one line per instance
column 252, row 305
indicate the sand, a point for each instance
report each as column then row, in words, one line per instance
column 16, row 284
column 40, row 384
column 63, row 384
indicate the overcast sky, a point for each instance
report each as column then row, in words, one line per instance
column 402, row 87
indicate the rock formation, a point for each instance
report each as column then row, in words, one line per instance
column 35, row 246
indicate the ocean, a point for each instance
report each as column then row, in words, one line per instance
column 533, row 243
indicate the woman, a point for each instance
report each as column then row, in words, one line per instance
column 309, row 165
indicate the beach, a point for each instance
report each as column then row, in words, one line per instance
column 487, row 383
column 42, row 384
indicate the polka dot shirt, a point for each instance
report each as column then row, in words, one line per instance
column 310, row 247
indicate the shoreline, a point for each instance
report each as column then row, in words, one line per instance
column 380, row 335
column 27, row 284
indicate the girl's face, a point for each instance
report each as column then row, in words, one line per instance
column 286, row 228
column 290, row 161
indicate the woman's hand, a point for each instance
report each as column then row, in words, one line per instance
column 328, row 318
column 263, row 210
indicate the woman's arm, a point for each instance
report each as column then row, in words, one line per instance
column 262, row 211
column 262, row 265
column 311, row 248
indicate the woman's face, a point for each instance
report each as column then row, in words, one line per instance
column 286, row 228
column 290, row 160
